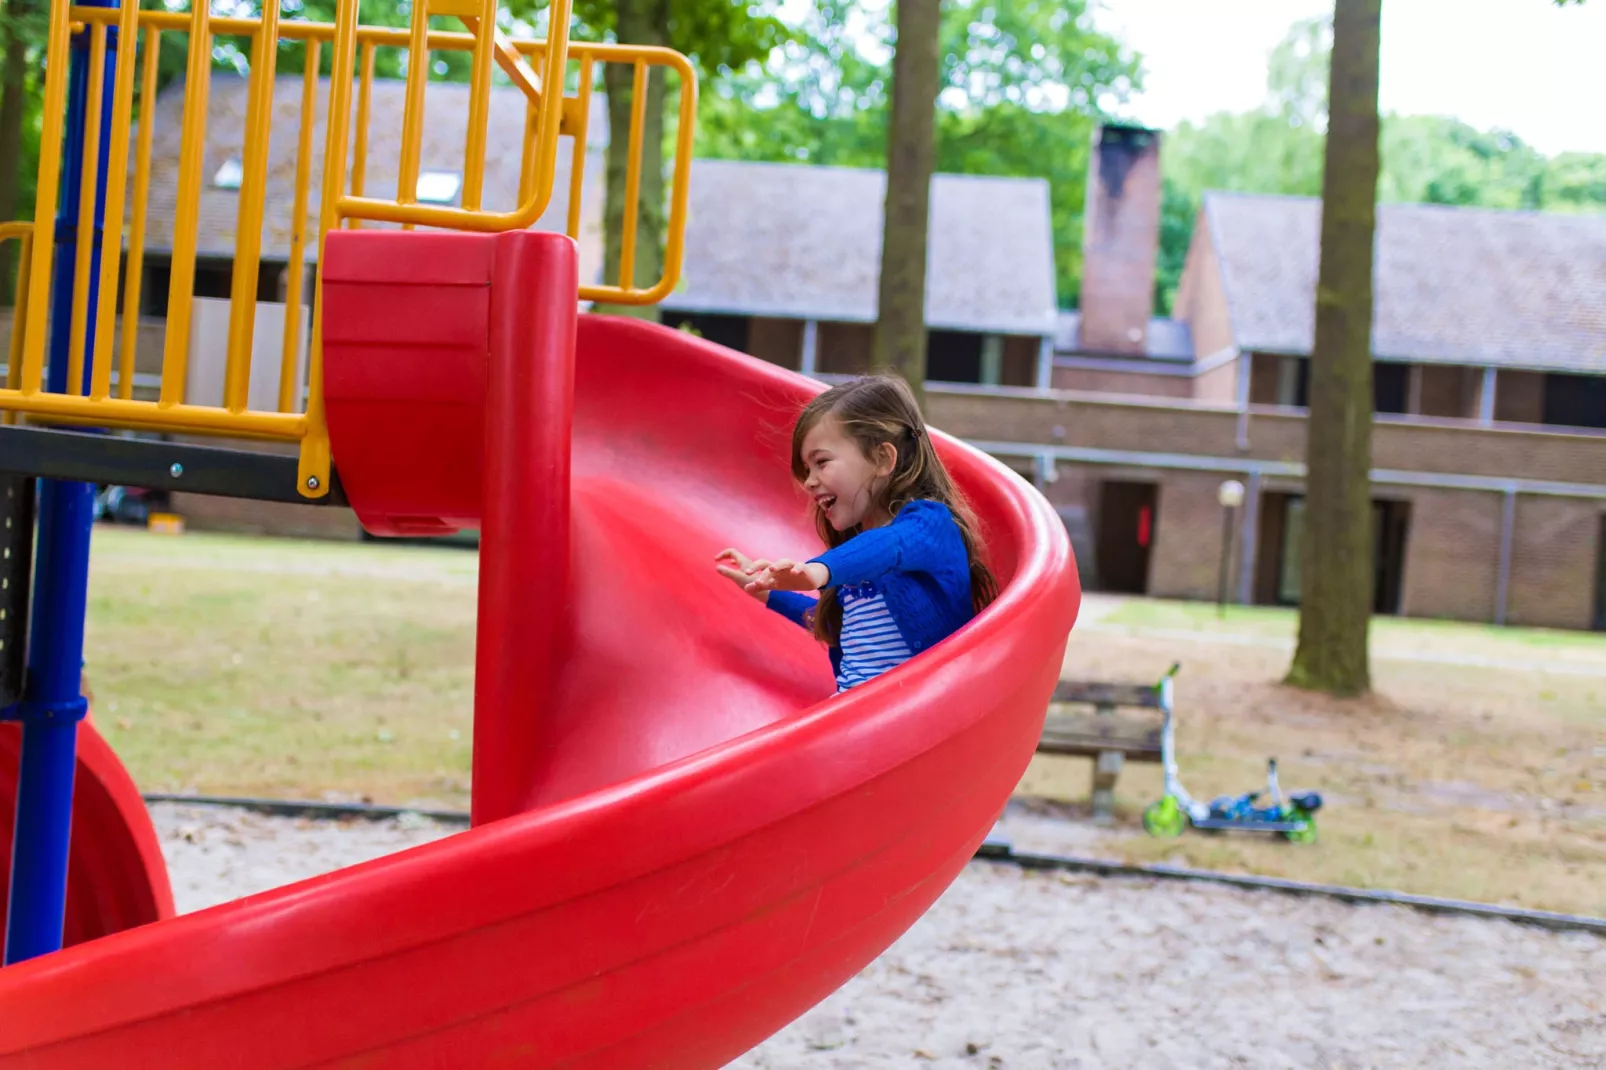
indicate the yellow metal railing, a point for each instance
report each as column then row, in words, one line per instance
column 22, row 234
column 531, row 66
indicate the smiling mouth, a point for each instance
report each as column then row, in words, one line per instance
column 825, row 501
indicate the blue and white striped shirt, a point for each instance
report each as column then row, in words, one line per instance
column 871, row 643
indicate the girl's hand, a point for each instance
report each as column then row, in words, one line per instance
column 791, row 576
column 741, row 570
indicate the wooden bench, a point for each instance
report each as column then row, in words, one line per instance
column 1103, row 735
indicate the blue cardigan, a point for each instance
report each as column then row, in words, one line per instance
column 918, row 562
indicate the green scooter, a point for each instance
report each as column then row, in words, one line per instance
column 1293, row 818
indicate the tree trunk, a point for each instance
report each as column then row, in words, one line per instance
column 13, row 102
column 640, row 22
column 1337, row 551
column 900, row 330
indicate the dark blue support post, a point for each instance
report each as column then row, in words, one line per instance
column 52, row 705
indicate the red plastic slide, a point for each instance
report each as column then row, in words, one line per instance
column 682, row 840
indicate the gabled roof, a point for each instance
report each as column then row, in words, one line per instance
column 786, row 240
column 803, row 241
column 1452, row 285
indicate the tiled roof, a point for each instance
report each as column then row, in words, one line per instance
column 1453, row 285
column 802, row 241
column 762, row 239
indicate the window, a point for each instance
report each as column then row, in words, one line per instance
column 1575, row 400
column 1293, row 381
column 1390, row 526
column 729, row 331
column 438, row 187
column 229, row 174
column 1391, row 387
column 1390, row 384
column 954, row 357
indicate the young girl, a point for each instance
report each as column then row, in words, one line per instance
column 904, row 569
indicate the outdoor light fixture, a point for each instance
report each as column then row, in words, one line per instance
column 1231, row 495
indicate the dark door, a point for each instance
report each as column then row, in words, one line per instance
column 1391, row 522
column 1127, row 514
column 1600, row 576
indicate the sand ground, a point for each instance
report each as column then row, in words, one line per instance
column 1048, row 971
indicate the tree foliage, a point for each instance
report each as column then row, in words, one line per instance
column 718, row 36
column 1425, row 159
column 1023, row 84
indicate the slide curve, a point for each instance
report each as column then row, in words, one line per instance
column 682, row 838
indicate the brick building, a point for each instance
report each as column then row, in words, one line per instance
column 1489, row 479
column 1490, row 336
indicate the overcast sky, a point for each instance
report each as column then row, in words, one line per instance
column 1522, row 65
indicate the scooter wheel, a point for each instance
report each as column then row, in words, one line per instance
column 1164, row 819
column 1306, row 834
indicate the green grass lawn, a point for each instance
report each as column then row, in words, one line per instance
column 317, row 669
column 1390, row 635
column 254, row 666
column 1476, row 770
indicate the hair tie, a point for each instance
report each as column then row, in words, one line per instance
column 916, row 432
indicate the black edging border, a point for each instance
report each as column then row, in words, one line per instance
column 996, row 852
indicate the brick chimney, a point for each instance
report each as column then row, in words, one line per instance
column 1120, row 239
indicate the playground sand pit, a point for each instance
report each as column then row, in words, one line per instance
column 1012, row 969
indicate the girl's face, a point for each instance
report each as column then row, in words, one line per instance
column 846, row 484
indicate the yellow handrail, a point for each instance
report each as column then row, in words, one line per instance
column 253, row 195
column 52, row 121
column 537, row 69
column 625, row 292
column 22, row 233
column 84, row 247
column 294, row 284
column 136, row 231
column 181, row 277
column 116, row 164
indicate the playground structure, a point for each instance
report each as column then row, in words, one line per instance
column 681, row 839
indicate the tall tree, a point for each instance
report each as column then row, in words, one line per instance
column 900, row 329
column 1336, row 551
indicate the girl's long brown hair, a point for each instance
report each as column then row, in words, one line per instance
column 879, row 409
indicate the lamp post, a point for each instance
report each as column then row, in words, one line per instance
column 1231, row 495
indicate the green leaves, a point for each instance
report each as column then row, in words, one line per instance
column 1278, row 149
column 716, row 35
column 1024, row 82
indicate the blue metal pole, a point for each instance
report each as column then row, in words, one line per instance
column 52, row 705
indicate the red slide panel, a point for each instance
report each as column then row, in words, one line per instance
column 683, row 838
